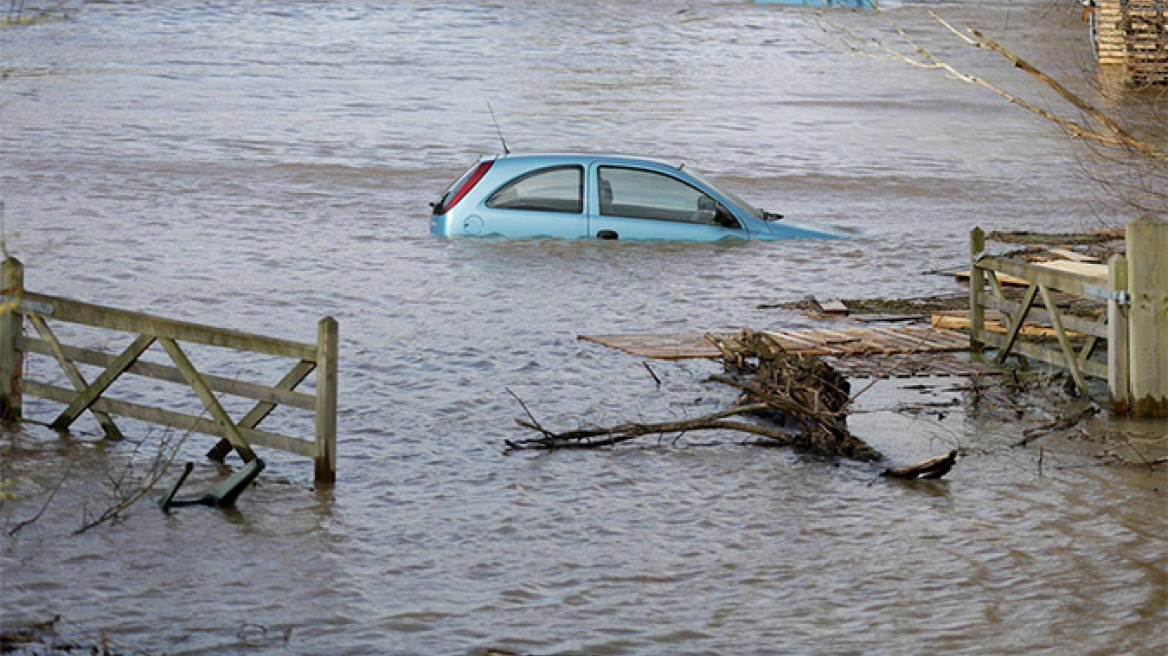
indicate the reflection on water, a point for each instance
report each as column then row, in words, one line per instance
column 260, row 165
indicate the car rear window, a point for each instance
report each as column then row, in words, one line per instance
column 556, row 189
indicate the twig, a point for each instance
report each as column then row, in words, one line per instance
column 48, row 500
column 534, row 422
column 142, row 491
column 583, row 438
column 651, row 373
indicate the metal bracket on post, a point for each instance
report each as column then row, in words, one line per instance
column 1120, row 296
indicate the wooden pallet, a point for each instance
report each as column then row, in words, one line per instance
column 857, row 352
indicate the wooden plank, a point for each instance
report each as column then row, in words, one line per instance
column 805, row 343
column 1073, row 256
column 1003, row 279
column 1052, row 278
column 173, row 419
column 169, row 374
column 74, row 375
column 95, row 389
column 144, row 324
column 227, row 426
column 834, row 308
column 1086, row 269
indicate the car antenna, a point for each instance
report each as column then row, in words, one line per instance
column 506, row 150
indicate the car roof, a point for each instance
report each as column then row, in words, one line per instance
column 582, row 158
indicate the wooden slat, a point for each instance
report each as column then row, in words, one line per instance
column 171, row 375
column 1072, row 283
column 227, row 427
column 176, row 420
column 74, row 375
column 1015, row 321
column 1098, row 328
column 262, row 409
column 144, row 324
column 83, row 400
column 1049, row 356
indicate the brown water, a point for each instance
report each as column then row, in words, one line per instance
column 261, row 164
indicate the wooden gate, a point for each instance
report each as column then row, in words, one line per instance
column 1135, row 326
column 39, row 309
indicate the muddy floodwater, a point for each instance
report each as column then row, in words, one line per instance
column 259, row 165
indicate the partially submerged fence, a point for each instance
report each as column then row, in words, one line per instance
column 321, row 358
column 1135, row 290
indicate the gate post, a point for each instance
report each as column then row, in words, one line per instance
column 1118, row 369
column 327, row 344
column 1147, row 273
column 977, row 282
column 11, row 325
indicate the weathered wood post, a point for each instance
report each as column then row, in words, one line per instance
column 11, row 324
column 327, row 344
column 977, row 282
column 1118, row 370
column 1147, row 273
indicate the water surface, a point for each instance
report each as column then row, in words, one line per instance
column 259, row 165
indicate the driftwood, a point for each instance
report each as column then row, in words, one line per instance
column 931, row 468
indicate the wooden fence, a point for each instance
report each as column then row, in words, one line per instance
column 21, row 304
column 1135, row 290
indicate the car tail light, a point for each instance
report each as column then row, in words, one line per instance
column 463, row 186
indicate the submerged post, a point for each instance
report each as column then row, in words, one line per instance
column 11, row 325
column 1147, row 272
column 327, row 344
column 977, row 281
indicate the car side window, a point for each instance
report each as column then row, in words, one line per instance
column 643, row 194
column 557, row 189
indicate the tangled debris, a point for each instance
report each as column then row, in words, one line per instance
column 791, row 400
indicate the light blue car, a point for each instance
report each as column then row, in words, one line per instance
column 599, row 196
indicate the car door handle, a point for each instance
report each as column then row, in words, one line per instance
column 607, row 234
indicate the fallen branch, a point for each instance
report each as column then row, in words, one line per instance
column 931, row 468
column 595, row 438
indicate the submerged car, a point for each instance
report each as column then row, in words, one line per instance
column 599, row 196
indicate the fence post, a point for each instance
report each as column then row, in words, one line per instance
column 327, row 344
column 11, row 325
column 977, row 281
column 1118, row 370
column 1147, row 273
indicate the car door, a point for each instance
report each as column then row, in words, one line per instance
column 639, row 203
column 546, row 202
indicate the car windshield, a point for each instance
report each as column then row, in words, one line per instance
column 755, row 211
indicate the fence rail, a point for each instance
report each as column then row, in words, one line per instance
column 87, row 396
